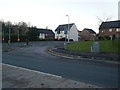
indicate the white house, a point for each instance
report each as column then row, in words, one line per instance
column 46, row 34
column 62, row 32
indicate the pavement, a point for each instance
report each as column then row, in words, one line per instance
column 17, row 77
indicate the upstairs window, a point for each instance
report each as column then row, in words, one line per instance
column 61, row 31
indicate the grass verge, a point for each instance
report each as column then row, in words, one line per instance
column 108, row 46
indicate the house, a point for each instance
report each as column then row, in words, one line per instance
column 46, row 34
column 111, row 29
column 87, row 35
column 79, row 36
column 62, row 32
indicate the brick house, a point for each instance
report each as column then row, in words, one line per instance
column 111, row 28
column 87, row 35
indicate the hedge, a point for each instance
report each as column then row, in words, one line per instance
column 14, row 38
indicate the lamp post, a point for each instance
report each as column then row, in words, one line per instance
column 3, row 35
column 68, row 26
column 9, row 35
column 18, row 35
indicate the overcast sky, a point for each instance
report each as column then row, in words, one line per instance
column 52, row 13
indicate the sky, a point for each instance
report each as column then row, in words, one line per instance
column 51, row 13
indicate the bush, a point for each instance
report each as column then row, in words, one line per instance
column 104, row 38
column 14, row 38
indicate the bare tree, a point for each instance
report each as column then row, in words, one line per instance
column 104, row 18
column 8, row 23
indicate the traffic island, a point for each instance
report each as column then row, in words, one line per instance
column 60, row 51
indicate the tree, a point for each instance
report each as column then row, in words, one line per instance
column 104, row 18
column 22, row 27
column 33, row 34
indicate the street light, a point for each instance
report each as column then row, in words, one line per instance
column 9, row 35
column 68, row 26
column 18, row 35
column 3, row 35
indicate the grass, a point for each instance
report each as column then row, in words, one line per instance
column 108, row 46
column 80, row 46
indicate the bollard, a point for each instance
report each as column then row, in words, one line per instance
column 8, row 42
column 95, row 47
column 65, row 45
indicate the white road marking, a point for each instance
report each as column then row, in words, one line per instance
column 33, row 70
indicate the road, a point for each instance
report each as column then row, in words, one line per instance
column 36, row 57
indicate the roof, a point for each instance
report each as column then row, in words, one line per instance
column 110, row 24
column 64, row 27
column 46, row 31
column 80, row 31
column 90, row 31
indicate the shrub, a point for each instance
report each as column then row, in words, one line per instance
column 14, row 38
column 104, row 38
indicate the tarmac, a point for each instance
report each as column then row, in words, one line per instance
column 18, row 77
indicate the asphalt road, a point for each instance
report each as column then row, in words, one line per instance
column 37, row 58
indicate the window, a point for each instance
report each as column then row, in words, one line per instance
column 41, row 36
column 61, row 31
column 110, row 30
column 118, row 30
column 60, row 36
